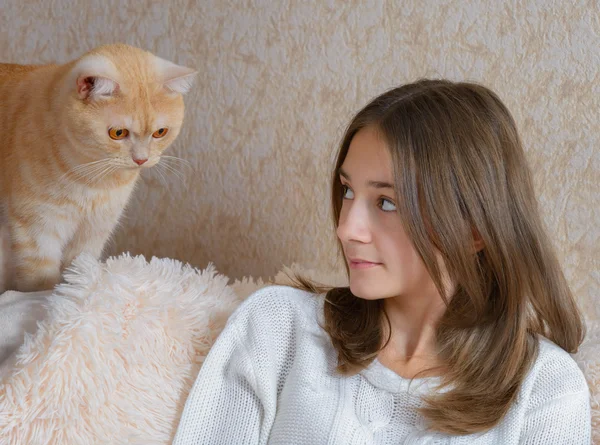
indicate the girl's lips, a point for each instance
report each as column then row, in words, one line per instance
column 360, row 264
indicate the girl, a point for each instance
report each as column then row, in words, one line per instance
column 457, row 322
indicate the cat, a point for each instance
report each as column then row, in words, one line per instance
column 74, row 139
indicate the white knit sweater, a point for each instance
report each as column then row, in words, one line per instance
column 270, row 378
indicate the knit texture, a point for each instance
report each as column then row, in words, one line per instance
column 270, row 378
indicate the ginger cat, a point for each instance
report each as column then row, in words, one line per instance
column 74, row 140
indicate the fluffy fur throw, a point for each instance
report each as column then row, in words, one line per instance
column 120, row 346
column 116, row 355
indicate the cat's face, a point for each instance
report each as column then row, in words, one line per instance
column 125, row 107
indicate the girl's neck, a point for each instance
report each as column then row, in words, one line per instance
column 412, row 334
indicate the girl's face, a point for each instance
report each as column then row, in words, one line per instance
column 381, row 258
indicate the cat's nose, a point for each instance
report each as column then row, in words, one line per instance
column 139, row 161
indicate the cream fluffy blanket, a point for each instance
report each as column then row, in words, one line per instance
column 118, row 347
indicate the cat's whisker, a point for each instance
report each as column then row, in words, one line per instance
column 161, row 176
column 169, row 173
column 78, row 169
column 82, row 173
column 103, row 173
column 90, row 180
column 171, row 164
column 112, row 169
column 177, row 158
column 173, row 170
column 98, row 161
column 90, row 169
column 177, row 161
column 87, row 175
column 91, row 172
column 170, row 169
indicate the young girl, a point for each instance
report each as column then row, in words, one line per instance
column 457, row 318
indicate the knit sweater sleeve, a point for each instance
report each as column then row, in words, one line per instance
column 559, row 404
column 235, row 396
column 224, row 405
column 565, row 420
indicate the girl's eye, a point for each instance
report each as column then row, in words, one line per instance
column 386, row 205
column 347, row 192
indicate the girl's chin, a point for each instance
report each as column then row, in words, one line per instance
column 365, row 291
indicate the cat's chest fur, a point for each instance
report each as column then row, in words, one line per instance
column 82, row 211
column 96, row 202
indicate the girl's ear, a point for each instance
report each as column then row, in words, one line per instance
column 478, row 243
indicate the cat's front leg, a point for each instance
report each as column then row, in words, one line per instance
column 90, row 237
column 105, row 209
column 36, row 247
column 86, row 240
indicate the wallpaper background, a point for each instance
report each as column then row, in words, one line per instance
column 277, row 83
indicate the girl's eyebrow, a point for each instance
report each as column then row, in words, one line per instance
column 375, row 184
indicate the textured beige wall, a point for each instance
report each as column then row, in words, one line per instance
column 279, row 80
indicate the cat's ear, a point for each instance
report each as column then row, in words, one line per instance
column 94, row 77
column 175, row 78
column 95, row 87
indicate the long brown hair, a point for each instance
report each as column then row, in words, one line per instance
column 460, row 169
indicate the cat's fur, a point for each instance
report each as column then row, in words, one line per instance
column 64, row 181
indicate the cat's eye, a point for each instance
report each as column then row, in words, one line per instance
column 118, row 133
column 160, row 133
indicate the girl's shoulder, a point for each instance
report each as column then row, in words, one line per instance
column 281, row 308
column 553, row 375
